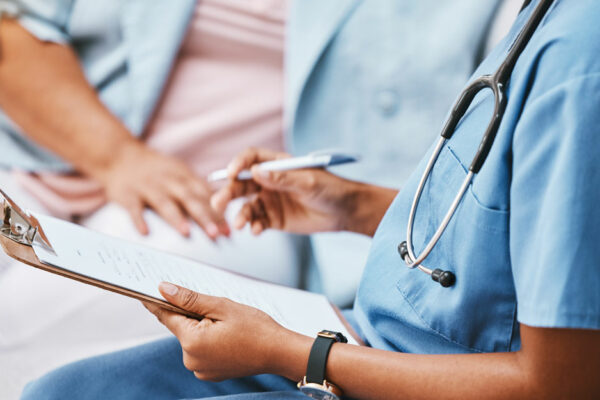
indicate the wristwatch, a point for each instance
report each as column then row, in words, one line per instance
column 314, row 384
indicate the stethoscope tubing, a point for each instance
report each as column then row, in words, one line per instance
column 496, row 83
column 413, row 260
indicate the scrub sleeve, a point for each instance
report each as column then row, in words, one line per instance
column 46, row 19
column 555, row 218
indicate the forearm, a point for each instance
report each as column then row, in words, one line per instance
column 552, row 364
column 44, row 91
column 367, row 373
column 415, row 376
column 366, row 205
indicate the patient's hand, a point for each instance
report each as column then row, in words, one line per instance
column 46, row 93
column 139, row 177
column 233, row 340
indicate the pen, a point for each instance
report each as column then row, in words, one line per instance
column 317, row 160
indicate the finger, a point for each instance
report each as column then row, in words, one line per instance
column 233, row 190
column 252, row 156
column 256, row 214
column 201, row 212
column 205, row 217
column 272, row 209
column 298, row 181
column 199, row 209
column 243, row 217
column 190, row 362
column 260, row 220
column 135, row 209
column 170, row 211
column 176, row 323
column 257, row 228
column 149, row 306
column 200, row 304
column 204, row 191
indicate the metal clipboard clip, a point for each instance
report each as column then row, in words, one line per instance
column 20, row 226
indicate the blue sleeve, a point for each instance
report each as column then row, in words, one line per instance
column 555, row 215
column 46, row 19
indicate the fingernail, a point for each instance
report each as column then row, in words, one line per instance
column 168, row 288
column 224, row 228
column 184, row 227
column 212, row 230
column 239, row 222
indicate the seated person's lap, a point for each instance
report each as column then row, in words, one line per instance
column 127, row 374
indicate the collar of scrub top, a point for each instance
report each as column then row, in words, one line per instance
column 496, row 83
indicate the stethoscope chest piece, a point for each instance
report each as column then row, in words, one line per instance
column 444, row 278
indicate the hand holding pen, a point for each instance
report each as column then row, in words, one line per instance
column 295, row 200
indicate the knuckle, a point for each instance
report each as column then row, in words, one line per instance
column 201, row 190
column 179, row 190
column 199, row 211
column 159, row 316
column 188, row 362
column 186, row 345
column 223, row 302
column 154, row 197
column 244, row 157
column 311, row 182
column 188, row 299
column 169, row 207
column 203, row 376
column 278, row 177
column 252, row 150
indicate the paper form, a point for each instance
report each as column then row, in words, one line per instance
column 141, row 269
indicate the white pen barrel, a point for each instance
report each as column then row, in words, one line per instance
column 287, row 164
column 296, row 163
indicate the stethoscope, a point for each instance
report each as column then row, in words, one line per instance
column 497, row 83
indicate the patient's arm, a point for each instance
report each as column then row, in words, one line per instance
column 43, row 89
column 302, row 201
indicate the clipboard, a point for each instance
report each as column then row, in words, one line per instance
column 20, row 230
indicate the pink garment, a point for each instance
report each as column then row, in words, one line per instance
column 225, row 94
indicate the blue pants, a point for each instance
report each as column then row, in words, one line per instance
column 151, row 371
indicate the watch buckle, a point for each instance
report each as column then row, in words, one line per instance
column 328, row 335
column 327, row 386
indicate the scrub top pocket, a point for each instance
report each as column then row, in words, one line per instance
column 479, row 311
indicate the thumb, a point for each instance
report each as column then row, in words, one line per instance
column 297, row 181
column 201, row 304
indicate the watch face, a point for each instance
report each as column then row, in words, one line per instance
column 318, row 393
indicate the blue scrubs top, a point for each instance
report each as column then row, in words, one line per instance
column 525, row 241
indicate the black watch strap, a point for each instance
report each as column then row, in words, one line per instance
column 317, row 360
